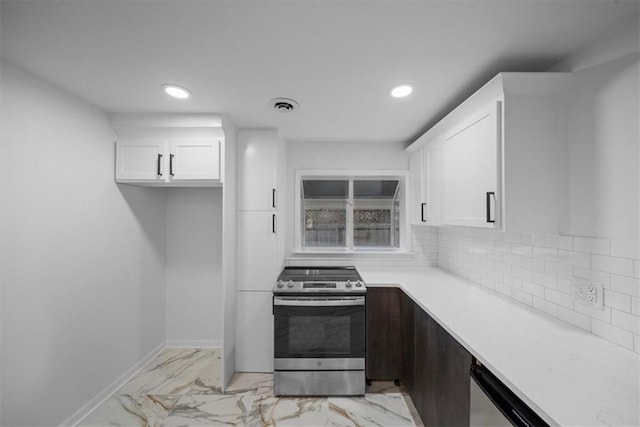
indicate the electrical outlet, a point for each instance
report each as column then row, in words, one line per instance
column 588, row 293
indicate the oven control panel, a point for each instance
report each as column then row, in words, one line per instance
column 347, row 286
column 327, row 280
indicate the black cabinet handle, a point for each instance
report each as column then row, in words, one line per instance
column 422, row 206
column 273, row 223
column 273, row 198
column 171, row 164
column 159, row 165
column 489, row 194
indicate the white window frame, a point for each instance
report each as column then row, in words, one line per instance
column 401, row 175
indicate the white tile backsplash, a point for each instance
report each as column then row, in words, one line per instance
column 592, row 246
column 625, row 285
column 614, row 265
column 625, row 249
column 539, row 270
column 617, row 300
column 612, row 333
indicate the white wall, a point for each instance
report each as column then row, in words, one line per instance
column 82, row 265
column 194, row 266
column 603, row 137
column 338, row 156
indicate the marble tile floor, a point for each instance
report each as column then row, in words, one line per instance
column 183, row 387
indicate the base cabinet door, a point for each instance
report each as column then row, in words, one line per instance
column 254, row 351
column 407, row 333
column 442, row 375
column 384, row 341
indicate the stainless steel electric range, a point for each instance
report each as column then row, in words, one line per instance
column 320, row 331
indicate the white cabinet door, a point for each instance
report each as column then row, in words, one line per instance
column 417, row 211
column 254, row 340
column 257, row 251
column 141, row 159
column 432, row 160
column 257, row 170
column 194, row 159
column 471, row 171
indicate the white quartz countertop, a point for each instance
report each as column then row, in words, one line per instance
column 568, row 376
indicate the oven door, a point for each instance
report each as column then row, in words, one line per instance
column 319, row 332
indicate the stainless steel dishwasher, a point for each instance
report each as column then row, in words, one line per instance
column 494, row 405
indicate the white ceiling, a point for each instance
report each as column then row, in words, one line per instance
column 337, row 58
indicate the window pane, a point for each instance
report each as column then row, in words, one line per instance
column 372, row 227
column 375, row 214
column 374, row 189
column 324, row 189
column 325, row 212
column 325, row 227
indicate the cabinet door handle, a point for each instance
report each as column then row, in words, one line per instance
column 273, row 198
column 422, row 206
column 171, row 164
column 159, row 172
column 489, row 194
column 273, row 223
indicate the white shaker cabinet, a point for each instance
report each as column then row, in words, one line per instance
column 471, row 170
column 194, row 159
column 425, row 171
column 433, row 182
column 254, row 341
column 168, row 161
column 417, row 212
column 141, row 160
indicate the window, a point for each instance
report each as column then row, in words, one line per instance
column 350, row 213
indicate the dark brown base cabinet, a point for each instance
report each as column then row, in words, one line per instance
column 383, row 338
column 432, row 365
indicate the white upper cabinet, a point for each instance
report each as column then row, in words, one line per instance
column 258, row 153
column 495, row 160
column 194, row 159
column 425, row 172
column 432, row 160
column 471, row 171
column 141, row 159
column 166, row 150
column 417, row 210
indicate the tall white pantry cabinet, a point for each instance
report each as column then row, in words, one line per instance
column 261, row 165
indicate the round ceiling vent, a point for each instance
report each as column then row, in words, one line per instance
column 284, row 105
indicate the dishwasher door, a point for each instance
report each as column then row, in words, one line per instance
column 494, row 405
column 483, row 412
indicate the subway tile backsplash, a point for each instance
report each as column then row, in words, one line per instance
column 538, row 270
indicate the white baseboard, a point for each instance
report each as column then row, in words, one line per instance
column 99, row 399
column 194, row 343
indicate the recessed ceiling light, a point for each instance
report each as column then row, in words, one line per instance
column 401, row 90
column 176, row 91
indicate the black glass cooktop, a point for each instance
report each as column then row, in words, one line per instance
column 319, row 274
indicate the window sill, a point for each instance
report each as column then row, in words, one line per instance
column 360, row 253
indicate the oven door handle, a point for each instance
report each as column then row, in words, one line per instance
column 318, row 302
